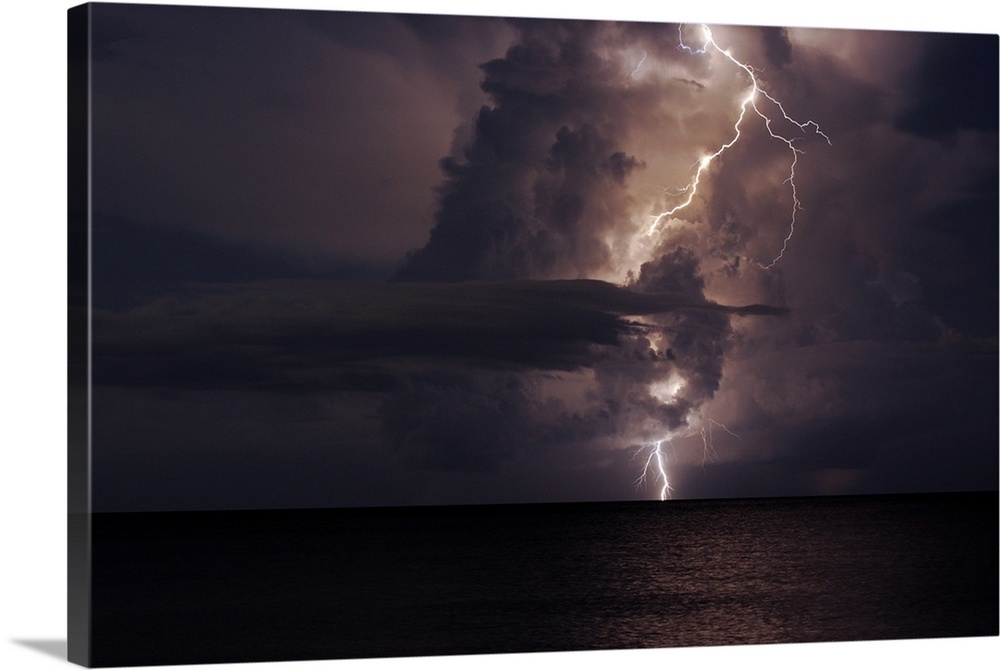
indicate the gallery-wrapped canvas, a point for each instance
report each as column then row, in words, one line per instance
column 413, row 335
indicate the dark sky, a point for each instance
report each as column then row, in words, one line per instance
column 347, row 259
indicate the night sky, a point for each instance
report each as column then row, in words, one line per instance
column 351, row 260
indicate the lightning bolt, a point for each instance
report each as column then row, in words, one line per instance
column 755, row 101
column 709, row 453
column 655, row 466
column 749, row 102
column 642, row 60
column 657, row 461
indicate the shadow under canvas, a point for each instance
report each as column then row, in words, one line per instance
column 54, row 648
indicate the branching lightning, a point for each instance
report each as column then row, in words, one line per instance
column 655, row 466
column 749, row 102
column 709, row 453
column 780, row 127
column 657, row 461
column 770, row 110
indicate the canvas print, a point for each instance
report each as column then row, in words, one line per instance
column 403, row 334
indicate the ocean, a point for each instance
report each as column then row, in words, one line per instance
column 200, row 587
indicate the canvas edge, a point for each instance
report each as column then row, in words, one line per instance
column 78, row 336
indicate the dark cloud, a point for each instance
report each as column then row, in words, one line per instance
column 952, row 251
column 135, row 263
column 544, row 175
column 954, row 87
column 451, row 420
column 278, row 333
column 462, row 377
column 296, row 132
column 777, row 46
column 698, row 342
column 859, row 414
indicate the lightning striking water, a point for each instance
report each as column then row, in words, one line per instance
column 749, row 102
column 657, row 460
column 755, row 101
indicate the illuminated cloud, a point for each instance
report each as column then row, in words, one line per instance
column 409, row 260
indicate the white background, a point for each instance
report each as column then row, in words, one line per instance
column 32, row 373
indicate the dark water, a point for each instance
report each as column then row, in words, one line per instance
column 254, row 586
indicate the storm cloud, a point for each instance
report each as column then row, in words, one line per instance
column 462, row 375
column 544, row 175
column 380, row 259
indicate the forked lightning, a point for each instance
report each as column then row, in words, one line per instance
column 749, row 102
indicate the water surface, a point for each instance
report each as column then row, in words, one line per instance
column 252, row 586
